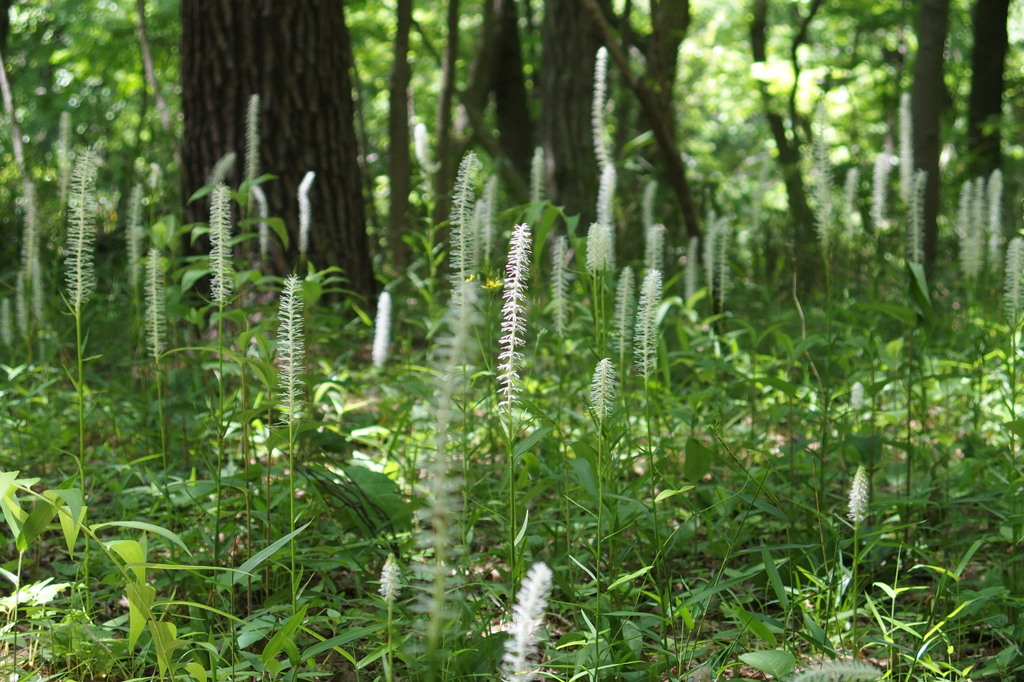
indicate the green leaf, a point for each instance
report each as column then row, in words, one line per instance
column 281, row 641
column 258, row 558
column 142, row 525
column 527, row 443
column 140, row 609
column 42, row 513
column 919, row 297
column 773, row 661
column 756, row 626
column 629, row 578
column 665, row 494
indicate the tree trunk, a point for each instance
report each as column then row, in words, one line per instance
column 984, row 109
column 570, row 39
column 399, row 164
column 444, row 178
column 928, row 99
column 789, row 156
column 295, row 56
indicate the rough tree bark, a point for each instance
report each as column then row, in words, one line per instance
column 295, row 56
column 570, row 39
column 984, row 108
column 498, row 69
column 655, row 101
column 928, row 100
column 399, row 164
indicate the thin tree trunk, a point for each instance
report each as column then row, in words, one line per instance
column 928, row 100
column 984, row 108
column 444, row 177
column 659, row 117
column 399, row 164
column 147, row 63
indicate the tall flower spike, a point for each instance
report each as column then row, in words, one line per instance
column 527, row 619
column 390, row 576
column 1013, row 281
column 560, row 284
column 624, row 300
column 79, row 261
column 135, row 235
column 601, row 151
column 155, row 304
column 647, row 205
column 291, row 349
column 421, row 139
column 537, row 172
column 692, row 273
column 221, row 168
column 252, row 138
column 513, row 325
column 263, row 228
column 645, row 339
column 906, row 150
column 21, row 308
column 64, row 156
column 600, row 248
column 859, row 496
column 382, row 329
column 6, row 326
column 821, row 181
column 462, row 238
column 602, row 391
column 305, row 211
column 857, row 396
column 490, row 218
column 850, row 188
column 654, row 248
column 880, row 189
column 223, row 284
column 972, row 252
column 606, row 198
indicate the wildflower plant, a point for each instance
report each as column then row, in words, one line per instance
column 291, row 355
column 521, row 647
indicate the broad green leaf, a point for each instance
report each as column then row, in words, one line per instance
column 281, row 639
column 527, row 443
column 142, row 525
column 133, row 555
column 140, row 609
column 774, row 661
column 197, row 671
column 756, row 626
column 165, row 641
column 37, row 521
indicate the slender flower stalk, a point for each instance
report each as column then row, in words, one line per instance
column 821, row 182
column 602, row 402
column 252, row 138
column 858, row 512
column 654, row 248
column 537, row 172
column 263, row 228
column 291, row 354
column 80, row 262
column 6, row 326
column 850, row 188
column 221, row 168
column 64, row 157
column 223, row 270
column 692, row 272
column 421, row 138
column 647, row 204
column 513, row 325
column 645, row 339
column 1013, row 281
column 600, row 100
column 21, row 306
column 382, row 330
column 305, row 213
column 624, row 304
column 915, row 228
column 606, row 199
column 462, row 234
column 906, row 150
column 156, row 333
column 560, row 284
column 136, row 235
column 521, row 647
column 390, row 577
